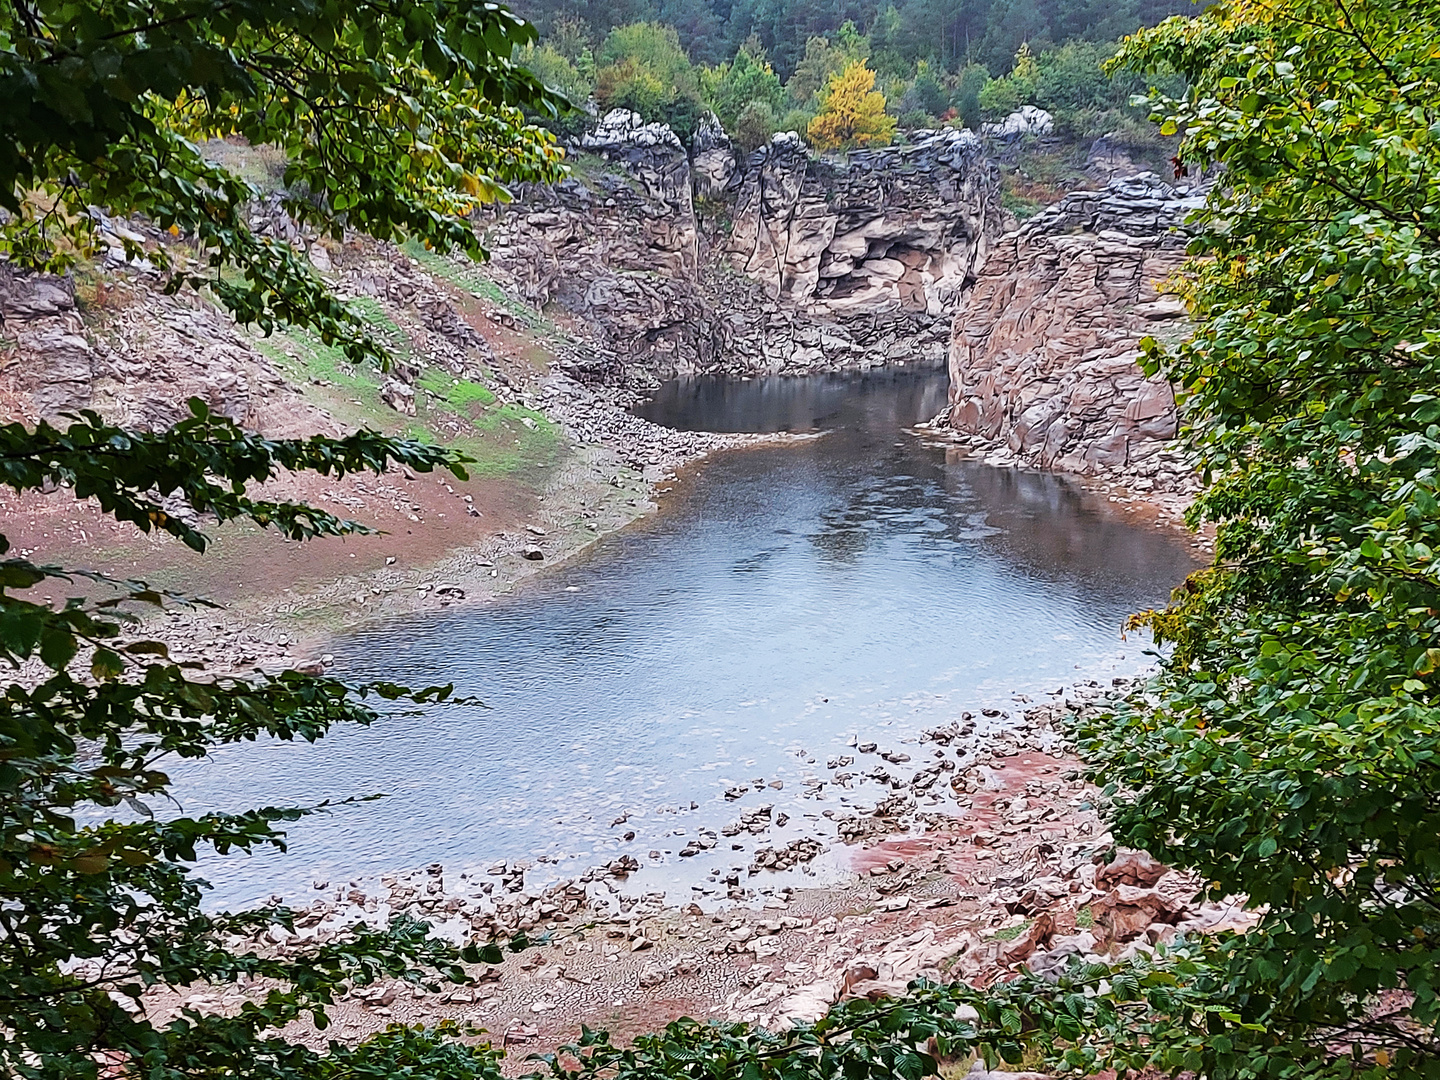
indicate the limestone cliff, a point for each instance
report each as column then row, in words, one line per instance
column 1044, row 344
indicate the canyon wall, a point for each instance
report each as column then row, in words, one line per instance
column 865, row 255
column 1044, row 344
column 652, row 261
column 683, row 263
column 615, row 247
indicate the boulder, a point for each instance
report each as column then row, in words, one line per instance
column 1026, row 120
column 1126, row 912
column 24, row 297
column 1136, row 868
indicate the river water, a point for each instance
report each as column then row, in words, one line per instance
column 785, row 602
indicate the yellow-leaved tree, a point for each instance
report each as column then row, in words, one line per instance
column 852, row 111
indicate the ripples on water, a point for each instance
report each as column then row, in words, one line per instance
column 783, row 600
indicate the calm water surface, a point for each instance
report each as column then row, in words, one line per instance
column 784, row 600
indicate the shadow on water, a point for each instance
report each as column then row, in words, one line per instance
column 786, row 600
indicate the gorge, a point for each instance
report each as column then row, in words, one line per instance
column 717, row 706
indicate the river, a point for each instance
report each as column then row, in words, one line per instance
column 782, row 604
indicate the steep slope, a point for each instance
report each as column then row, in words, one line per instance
column 1043, row 346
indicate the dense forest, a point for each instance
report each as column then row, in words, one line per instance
column 770, row 65
column 947, row 34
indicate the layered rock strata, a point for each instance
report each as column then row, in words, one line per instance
column 1044, row 345
column 615, row 246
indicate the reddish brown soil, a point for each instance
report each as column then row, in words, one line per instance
column 56, row 529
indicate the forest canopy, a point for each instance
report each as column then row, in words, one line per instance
column 765, row 67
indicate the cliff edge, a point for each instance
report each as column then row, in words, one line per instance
column 1044, row 344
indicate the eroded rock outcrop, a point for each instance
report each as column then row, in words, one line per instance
column 136, row 361
column 617, row 248
column 820, row 264
column 1044, row 345
column 895, row 230
column 866, row 255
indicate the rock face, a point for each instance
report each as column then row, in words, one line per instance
column 137, row 362
column 881, row 243
column 1043, row 347
column 712, row 160
column 887, row 231
column 819, row 263
column 38, row 315
column 617, row 248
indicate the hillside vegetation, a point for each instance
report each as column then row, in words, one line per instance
column 763, row 68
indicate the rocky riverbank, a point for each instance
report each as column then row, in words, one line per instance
column 1011, row 867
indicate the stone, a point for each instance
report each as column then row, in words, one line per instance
column 1136, row 868
column 26, row 297
column 1036, row 935
column 1126, row 912
column 712, row 159
column 1044, row 343
column 531, row 552
column 1026, row 120
column 398, row 396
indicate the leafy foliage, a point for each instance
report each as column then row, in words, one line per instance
column 99, row 103
column 646, row 71
column 946, row 33
column 573, row 79
column 1289, row 751
column 852, row 111
column 746, row 82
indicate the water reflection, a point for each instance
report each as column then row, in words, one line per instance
column 785, row 600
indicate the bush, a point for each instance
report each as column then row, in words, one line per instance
column 998, row 98
column 796, row 120
column 558, row 73
column 971, row 80
column 656, row 49
column 925, row 95
column 754, row 126
column 732, row 87
column 646, row 71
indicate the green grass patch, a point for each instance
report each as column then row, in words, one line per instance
column 503, row 441
column 1010, row 933
column 504, row 446
column 462, row 395
column 383, row 328
column 1084, row 918
column 300, row 353
column 465, row 275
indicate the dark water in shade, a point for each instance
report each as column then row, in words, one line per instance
column 784, row 599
